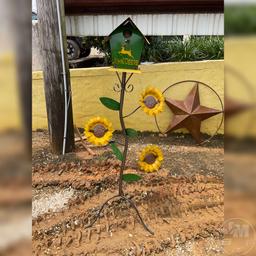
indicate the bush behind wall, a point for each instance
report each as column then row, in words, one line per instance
column 170, row 48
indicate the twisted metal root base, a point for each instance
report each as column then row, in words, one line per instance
column 133, row 206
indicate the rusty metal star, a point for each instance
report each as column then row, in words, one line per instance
column 189, row 113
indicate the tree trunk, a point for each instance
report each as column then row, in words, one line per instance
column 53, row 74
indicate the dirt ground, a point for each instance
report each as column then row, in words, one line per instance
column 15, row 196
column 182, row 202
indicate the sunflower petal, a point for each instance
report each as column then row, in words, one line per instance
column 90, row 135
column 153, row 149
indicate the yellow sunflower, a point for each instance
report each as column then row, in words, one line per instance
column 152, row 101
column 150, row 158
column 98, row 131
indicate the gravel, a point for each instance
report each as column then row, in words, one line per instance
column 54, row 202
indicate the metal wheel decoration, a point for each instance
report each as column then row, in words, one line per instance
column 189, row 113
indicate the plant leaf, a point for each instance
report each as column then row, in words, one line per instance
column 131, row 132
column 117, row 151
column 110, row 103
column 130, row 177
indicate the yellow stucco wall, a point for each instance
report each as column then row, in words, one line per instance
column 91, row 83
column 240, row 77
column 10, row 110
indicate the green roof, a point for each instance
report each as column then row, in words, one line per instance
column 130, row 22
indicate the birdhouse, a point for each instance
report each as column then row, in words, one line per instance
column 126, row 43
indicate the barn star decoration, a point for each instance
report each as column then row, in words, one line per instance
column 189, row 113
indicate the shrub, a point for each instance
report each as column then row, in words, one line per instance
column 170, row 49
column 175, row 49
column 240, row 19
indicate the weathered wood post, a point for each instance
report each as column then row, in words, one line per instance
column 50, row 41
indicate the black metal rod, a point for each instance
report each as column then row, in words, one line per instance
column 121, row 193
column 135, row 110
column 117, row 142
column 119, row 78
column 138, row 213
column 99, row 212
column 126, row 82
column 122, row 94
column 157, row 125
column 133, row 206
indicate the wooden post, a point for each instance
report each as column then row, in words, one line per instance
column 53, row 74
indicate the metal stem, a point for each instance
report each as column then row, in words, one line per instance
column 118, row 77
column 135, row 110
column 128, row 79
column 99, row 212
column 133, row 206
column 157, row 125
column 117, row 142
column 138, row 213
column 123, row 83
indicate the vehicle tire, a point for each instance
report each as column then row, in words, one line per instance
column 73, row 50
column 86, row 52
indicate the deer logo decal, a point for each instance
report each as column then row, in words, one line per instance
column 125, row 52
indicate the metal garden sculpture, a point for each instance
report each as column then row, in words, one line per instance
column 126, row 46
column 126, row 43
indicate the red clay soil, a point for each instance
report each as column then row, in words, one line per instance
column 182, row 203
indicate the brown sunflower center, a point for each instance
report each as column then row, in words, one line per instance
column 99, row 130
column 150, row 158
column 150, row 101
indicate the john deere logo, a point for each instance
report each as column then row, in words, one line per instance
column 123, row 51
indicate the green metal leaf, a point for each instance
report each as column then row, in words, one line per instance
column 116, row 151
column 110, row 103
column 131, row 132
column 130, row 177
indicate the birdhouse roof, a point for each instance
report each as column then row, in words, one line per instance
column 129, row 21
